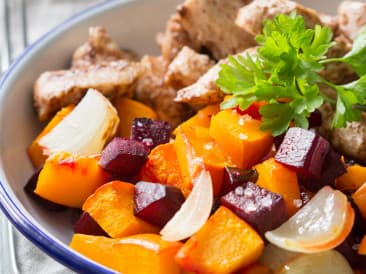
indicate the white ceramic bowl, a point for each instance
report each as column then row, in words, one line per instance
column 133, row 24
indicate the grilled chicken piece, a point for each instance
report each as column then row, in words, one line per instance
column 56, row 89
column 205, row 91
column 351, row 140
column 186, row 68
column 335, row 72
column 99, row 49
column 329, row 21
column 152, row 90
column 352, row 16
column 206, row 26
column 251, row 16
column 174, row 38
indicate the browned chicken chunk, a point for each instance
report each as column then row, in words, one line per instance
column 186, row 68
column 205, row 91
column 152, row 90
column 100, row 48
column 206, row 26
column 174, row 38
column 251, row 16
column 351, row 140
column 56, row 89
column 352, row 16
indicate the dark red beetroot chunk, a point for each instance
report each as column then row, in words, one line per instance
column 31, row 186
column 87, row 225
column 262, row 209
column 304, row 151
column 315, row 119
column 124, row 158
column 156, row 203
column 234, row 177
column 332, row 168
column 151, row 132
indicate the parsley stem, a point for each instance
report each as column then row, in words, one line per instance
column 329, row 60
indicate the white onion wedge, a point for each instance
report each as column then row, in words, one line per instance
column 85, row 130
column 322, row 224
column 274, row 256
column 193, row 213
column 330, row 261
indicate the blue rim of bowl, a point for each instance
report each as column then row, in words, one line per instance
column 13, row 212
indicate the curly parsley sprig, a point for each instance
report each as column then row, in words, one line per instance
column 285, row 74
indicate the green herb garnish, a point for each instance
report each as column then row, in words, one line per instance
column 285, row 74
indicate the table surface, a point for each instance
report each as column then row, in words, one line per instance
column 41, row 16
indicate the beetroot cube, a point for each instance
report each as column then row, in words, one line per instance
column 304, row 151
column 31, row 186
column 156, row 203
column 123, row 158
column 262, row 209
column 234, row 177
column 87, row 225
column 151, row 132
column 332, row 168
column 349, row 250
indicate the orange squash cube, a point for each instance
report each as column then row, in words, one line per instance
column 111, row 206
column 224, row 244
column 352, row 179
column 204, row 147
column 201, row 119
column 362, row 246
column 69, row 179
column 240, row 137
column 279, row 179
column 128, row 110
column 142, row 253
column 359, row 197
column 35, row 151
column 162, row 166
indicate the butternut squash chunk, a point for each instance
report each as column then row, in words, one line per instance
column 202, row 118
column 240, row 137
column 69, row 179
column 352, row 179
column 204, row 147
column 128, row 110
column 279, row 179
column 224, row 244
column 359, row 197
column 162, row 166
column 141, row 253
column 111, row 206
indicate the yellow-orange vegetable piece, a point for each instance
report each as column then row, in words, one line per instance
column 278, row 178
column 35, row 151
column 353, row 179
column 111, row 206
column 204, row 147
column 256, row 269
column 240, row 137
column 128, row 110
column 362, row 246
column 142, row 253
column 162, row 166
column 224, row 244
column 69, row 179
column 359, row 197
column 202, row 118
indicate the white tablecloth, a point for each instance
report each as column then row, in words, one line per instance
column 42, row 15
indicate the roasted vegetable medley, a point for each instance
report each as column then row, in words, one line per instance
column 239, row 150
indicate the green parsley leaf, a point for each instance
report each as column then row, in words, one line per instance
column 357, row 56
column 285, row 74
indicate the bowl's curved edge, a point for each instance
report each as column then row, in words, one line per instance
column 40, row 238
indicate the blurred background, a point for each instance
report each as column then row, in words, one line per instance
column 21, row 23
